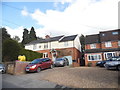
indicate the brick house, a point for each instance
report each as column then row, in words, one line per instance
column 102, row 46
column 59, row 46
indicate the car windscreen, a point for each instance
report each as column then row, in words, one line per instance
column 59, row 59
column 35, row 61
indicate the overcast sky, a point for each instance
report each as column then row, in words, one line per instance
column 67, row 17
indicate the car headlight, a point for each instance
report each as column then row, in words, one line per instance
column 33, row 66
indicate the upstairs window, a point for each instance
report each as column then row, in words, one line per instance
column 34, row 46
column 108, row 44
column 45, row 45
column 65, row 43
column 92, row 46
column 115, row 33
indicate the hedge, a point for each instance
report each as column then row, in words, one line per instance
column 30, row 55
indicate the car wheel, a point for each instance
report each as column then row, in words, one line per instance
column 118, row 67
column 38, row 69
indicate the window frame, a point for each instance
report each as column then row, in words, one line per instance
column 94, row 57
column 108, row 44
column 92, row 46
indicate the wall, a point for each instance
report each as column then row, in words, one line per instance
column 93, row 62
column 114, row 45
column 97, row 46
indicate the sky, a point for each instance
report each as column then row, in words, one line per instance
column 63, row 17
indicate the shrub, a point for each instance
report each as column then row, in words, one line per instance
column 89, row 64
column 30, row 55
column 10, row 50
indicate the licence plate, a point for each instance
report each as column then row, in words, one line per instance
column 27, row 69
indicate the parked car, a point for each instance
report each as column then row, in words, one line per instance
column 2, row 68
column 38, row 64
column 61, row 62
column 114, row 64
column 101, row 63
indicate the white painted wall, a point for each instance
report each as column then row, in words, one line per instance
column 77, row 43
column 56, row 45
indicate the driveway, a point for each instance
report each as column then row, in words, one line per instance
column 64, row 77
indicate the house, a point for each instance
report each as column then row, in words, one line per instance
column 59, row 46
column 102, row 46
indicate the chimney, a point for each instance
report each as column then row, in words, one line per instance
column 47, row 36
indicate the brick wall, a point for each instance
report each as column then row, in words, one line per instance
column 93, row 62
column 66, row 52
column 97, row 46
column 114, row 45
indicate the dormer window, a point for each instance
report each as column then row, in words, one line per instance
column 103, row 34
column 115, row 33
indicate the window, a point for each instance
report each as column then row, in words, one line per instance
column 118, row 43
column 34, row 46
column 93, row 46
column 40, row 46
column 45, row 45
column 65, row 43
column 95, row 57
column 103, row 34
column 45, row 55
column 108, row 55
column 114, row 33
column 108, row 44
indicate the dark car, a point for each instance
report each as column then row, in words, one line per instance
column 101, row 63
column 38, row 64
column 2, row 68
column 114, row 64
column 61, row 62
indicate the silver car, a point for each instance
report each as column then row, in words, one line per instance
column 61, row 62
column 2, row 68
column 115, row 64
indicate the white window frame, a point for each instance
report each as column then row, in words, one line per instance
column 46, row 46
column 106, row 56
column 66, row 43
column 34, row 47
column 96, row 57
column 45, row 55
column 92, row 46
column 118, row 43
column 108, row 44
column 115, row 33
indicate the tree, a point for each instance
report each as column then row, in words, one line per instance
column 10, row 50
column 16, row 38
column 25, row 37
column 32, row 34
column 82, row 41
column 5, row 34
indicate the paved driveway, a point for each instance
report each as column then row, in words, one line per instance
column 79, row 77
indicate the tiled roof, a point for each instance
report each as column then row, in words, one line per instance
column 89, row 39
column 46, row 40
column 58, row 38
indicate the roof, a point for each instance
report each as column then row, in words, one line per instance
column 89, row 39
column 58, row 38
column 46, row 40
column 68, row 38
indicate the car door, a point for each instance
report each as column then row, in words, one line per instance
column 48, row 62
column 44, row 63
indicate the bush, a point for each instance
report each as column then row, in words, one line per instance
column 30, row 55
column 89, row 64
column 10, row 50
